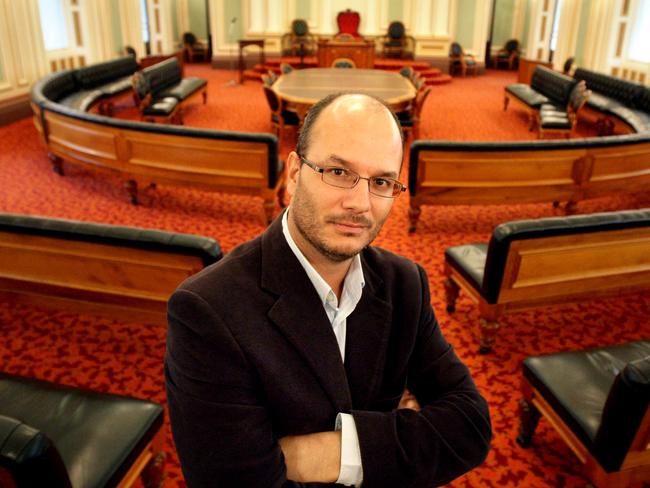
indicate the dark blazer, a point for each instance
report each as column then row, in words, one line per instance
column 251, row 357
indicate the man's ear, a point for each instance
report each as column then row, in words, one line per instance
column 293, row 171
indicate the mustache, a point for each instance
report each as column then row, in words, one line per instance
column 350, row 219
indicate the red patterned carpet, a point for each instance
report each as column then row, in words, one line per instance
column 127, row 357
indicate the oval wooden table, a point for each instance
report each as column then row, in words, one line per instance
column 302, row 88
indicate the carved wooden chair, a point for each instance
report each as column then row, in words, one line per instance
column 459, row 61
column 194, row 49
column 509, row 54
column 396, row 43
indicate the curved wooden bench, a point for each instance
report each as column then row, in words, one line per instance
column 145, row 153
column 481, row 173
column 116, row 271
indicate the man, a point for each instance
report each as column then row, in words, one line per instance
column 287, row 360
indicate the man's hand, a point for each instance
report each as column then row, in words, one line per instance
column 312, row 458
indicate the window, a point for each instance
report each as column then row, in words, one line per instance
column 53, row 24
column 145, row 20
column 640, row 39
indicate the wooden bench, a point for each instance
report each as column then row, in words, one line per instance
column 532, row 263
column 144, row 153
column 482, row 173
column 120, row 272
column 160, row 90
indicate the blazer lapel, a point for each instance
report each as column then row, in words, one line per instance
column 367, row 333
column 299, row 315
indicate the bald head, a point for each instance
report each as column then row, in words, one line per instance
column 345, row 108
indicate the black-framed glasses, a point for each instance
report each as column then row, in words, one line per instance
column 346, row 178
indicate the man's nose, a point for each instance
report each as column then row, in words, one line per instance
column 358, row 197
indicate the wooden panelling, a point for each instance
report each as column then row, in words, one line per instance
column 576, row 265
column 113, row 280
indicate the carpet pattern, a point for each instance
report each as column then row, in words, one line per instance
column 126, row 358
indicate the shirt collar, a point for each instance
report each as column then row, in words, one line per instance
column 354, row 275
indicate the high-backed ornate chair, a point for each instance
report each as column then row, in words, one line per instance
column 58, row 436
column 508, row 55
column 348, row 22
column 459, row 61
column 298, row 42
column 396, row 44
column 597, row 400
column 194, row 49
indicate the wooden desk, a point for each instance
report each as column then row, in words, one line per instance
column 249, row 42
column 361, row 52
column 526, row 68
column 301, row 89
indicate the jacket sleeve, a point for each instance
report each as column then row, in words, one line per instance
column 222, row 433
column 451, row 433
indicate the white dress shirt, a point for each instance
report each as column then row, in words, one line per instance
column 351, row 472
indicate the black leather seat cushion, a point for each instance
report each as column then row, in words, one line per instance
column 98, row 435
column 81, row 100
column 577, row 384
column 601, row 102
column 469, row 261
column 504, row 234
column 554, row 121
column 183, row 89
column 526, row 94
column 161, row 106
column 117, row 86
column 206, row 248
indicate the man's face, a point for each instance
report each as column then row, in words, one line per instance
column 358, row 134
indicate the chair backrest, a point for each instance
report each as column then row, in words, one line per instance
column 272, row 99
column 568, row 64
column 189, row 39
column 343, row 63
column 419, row 102
column 29, row 456
column 163, row 74
column 286, row 68
column 626, row 409
column 455, row 50
column 553, row 84
column 396, row 30
column 406, row 72
column 348, row 22
column 130, row 51
column 580, row 243
column 266, row 79
column 512, row 45
column 299, row 27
